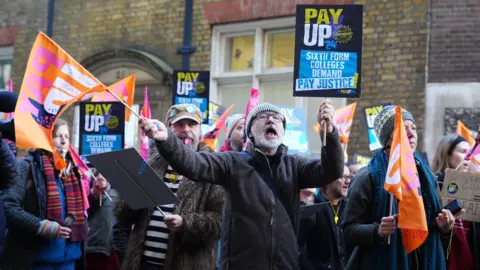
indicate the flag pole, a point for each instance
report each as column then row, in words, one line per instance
column 125, row 104
column 391, row 212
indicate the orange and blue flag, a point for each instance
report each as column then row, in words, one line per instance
column 210, row 138
column 403, row 183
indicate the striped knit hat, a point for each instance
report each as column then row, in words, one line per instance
column 264, row 107
column 385, row 122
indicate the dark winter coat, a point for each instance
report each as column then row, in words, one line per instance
column 259, row 228
column 8, row 172
column 320, row 240
column 25, row 206
column 201, row 209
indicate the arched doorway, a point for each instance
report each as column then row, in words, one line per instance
column 110, row 66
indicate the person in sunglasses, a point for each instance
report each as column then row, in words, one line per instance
column 263, row 185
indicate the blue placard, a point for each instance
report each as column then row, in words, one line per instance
column 296, row 137
column 192, row 87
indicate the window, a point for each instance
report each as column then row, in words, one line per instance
column 6, row 54
column 259, row 54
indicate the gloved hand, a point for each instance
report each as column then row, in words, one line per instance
column 52, row 230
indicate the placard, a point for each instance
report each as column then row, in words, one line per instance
column 370, row 113
column 102, row 127
column 328, row 51
column 466, row 188
column 362, row 160
column 192, row 87
column 296, row 131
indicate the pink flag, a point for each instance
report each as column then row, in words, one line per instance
column 85, row 172
column 252, row 103
column 147, row 113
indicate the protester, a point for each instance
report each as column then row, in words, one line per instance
column 368, row 223
column 235, row 133
column 37, row 204
column 320, row 239
column 353, row 167
column 192, row 230
column 451, row 152
column 263, row 184
column 8, row 173
column 100, row 254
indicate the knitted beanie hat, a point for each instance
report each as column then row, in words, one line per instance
column 385, row 121
column 264, row 107
column 232, row 121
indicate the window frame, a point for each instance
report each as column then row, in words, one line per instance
column 6, row 56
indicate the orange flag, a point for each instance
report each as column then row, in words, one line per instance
column 463, row 131
column 402, row 182
column 210, row 137
column 343, row 120
column 53, row 81
column 124, row 89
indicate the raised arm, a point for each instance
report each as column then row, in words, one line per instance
column 320, row 172
column 215, row 168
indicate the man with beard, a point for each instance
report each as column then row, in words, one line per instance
column 320, row 239
column 262, row 183
column 186, row 237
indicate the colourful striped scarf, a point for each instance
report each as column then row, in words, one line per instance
column 73, row 198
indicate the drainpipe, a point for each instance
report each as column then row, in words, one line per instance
column 51, row 8
column 187, row 49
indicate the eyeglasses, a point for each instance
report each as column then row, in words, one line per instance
column 275, row 116
column 347, row 177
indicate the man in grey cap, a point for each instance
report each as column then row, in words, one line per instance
column 261, row 212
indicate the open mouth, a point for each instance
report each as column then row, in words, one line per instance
column 270, row 133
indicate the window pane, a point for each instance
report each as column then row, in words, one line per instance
column 280, row 49
column 279, row 93
column 240, row 51
column 5, row 72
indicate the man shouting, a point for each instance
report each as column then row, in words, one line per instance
column 262, row 184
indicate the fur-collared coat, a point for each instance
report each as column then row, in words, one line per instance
column 201, row 209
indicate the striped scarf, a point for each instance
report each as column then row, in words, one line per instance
column 73, row 198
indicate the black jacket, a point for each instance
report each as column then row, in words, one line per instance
column 25, row 207
column 259, row 228
column 321, row 241
column 8, row 172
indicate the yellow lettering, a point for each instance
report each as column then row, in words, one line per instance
column 195, row 76
column 106, row 108
column 368, row 111
column 310, row 13
column 188, row 77
column 335, row 14
column 323, row 17
column 89, row 108
column 180, row 76
column 98, row 110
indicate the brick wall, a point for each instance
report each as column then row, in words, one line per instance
column 454, row 53
column 395, row 36
column 393, row 63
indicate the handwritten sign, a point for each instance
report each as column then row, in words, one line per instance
column 466, row 188
column 328, row 50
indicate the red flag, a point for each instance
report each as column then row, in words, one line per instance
column 402, row 182
column 252, row 103
column 147, row 113
column 210, row 137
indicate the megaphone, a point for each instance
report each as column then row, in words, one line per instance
column 7, row 129
column 8, row 101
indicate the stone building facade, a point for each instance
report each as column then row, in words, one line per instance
column 114, row 38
